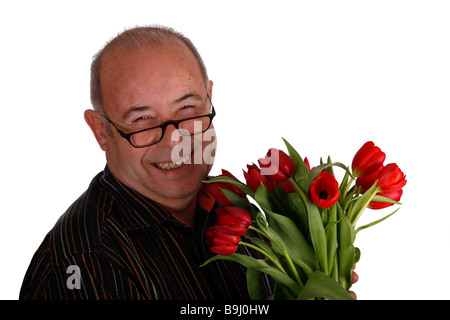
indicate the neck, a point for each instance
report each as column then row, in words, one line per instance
column 185, row 214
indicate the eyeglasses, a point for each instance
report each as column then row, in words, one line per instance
column 186, row 127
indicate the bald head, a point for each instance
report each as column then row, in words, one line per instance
column 132, row 39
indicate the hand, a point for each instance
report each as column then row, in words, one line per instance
column 355, row 278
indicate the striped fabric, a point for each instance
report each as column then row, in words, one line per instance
column 114, row 243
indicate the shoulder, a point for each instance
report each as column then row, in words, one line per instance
column 77, row 239
column 78, row 230
column 81, row 229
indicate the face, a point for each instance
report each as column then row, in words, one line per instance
column 142, row 89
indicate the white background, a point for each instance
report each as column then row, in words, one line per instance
column 326, row 75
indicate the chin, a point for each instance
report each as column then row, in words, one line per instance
column 179, row 189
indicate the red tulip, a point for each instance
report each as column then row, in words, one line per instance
column 215, row 189
column 367, row 182
column 306, row 161
column 287, row 186
column 223, row 237
column 381, row 205
column 367, row 160
column 325, row 190
column 233, row 220
column 254, row 178
column 220, row 242
column 390, row 179
column 277, row 166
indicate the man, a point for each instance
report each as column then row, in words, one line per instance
column 138, row 230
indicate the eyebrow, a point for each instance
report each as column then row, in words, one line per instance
column 135, row 110
column 138, row 109
column 188, row 96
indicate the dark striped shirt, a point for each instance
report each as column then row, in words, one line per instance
column 125, row 246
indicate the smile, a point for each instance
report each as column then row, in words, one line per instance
column 173, row 165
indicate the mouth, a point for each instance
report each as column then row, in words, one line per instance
column 173, row 165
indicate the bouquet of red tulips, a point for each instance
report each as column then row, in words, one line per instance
column 302, row 220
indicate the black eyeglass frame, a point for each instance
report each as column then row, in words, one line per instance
column 163, row 126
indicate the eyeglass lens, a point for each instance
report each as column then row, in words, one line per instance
column 186, row 128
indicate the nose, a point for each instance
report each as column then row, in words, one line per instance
column 171, row 136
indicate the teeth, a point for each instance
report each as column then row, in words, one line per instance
column 169, row 166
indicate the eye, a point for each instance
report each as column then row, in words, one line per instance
column 141, row 118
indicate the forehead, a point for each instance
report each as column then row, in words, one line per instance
column 149, row 75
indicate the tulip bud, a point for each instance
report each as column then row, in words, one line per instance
column 254, row 178
column 215, row 189
column 367, row 160
column 234, row 220
column 221, row 243
column 223, row 237
column 390, row 179
column 277, row 166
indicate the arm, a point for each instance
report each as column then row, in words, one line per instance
column 82, row 277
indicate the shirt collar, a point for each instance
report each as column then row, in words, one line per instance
column 137, row 211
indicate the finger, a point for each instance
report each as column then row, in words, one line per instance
column 355, row 277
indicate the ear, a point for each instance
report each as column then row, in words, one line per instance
column 209, row 89
column 94, row 121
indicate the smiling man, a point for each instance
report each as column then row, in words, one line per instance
column 138, row 230
column 142, row 88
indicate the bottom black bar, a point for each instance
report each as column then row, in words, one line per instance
column 170, row 310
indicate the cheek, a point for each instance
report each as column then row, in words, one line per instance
column 122, row 153
column 210, row 141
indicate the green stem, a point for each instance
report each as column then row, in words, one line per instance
column 251, row 227
column 276, row 262
column 265, row 235
column 344, row 195
column 292, row 266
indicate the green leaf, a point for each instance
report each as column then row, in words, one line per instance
column 262, row 197
column 261, row 222
column 297, row 211
column 259, row 265
column 306, row 268
column 361, row 204
column 319, row 285
column 346, row 251
column 379, row 198
column 331, row 236
column 315, row 172
column 284, row 233
column 264, row 246
column 235, row 182
column 317, row 234
column 375, row 222
column 254, row 284
column 237, row 201
column 282, row 229
column 357, row 254
column 281, row 292
column 301, row 171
